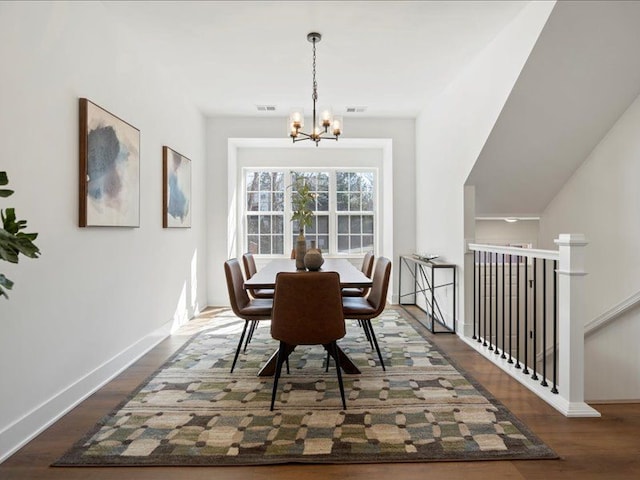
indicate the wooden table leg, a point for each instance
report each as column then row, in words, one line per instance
column 269, row 368
column 346, row 364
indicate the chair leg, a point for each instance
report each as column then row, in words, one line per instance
column 326, row 368
column 333, row 349
column 282, row 357
column 254, row 325
column 367, row 325
column 366, row 332
column 235, row 359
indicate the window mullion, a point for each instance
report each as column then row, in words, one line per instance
column 288, row 224
column 331, row 212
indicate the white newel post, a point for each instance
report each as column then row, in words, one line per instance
column 571, row 291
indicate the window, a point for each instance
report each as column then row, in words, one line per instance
column 265, row 212
column 354, row 193
column 318, row 232
column 344, row 221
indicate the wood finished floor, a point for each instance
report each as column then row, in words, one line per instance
column 593, row 448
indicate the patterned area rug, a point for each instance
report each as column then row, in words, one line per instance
column 192, row 411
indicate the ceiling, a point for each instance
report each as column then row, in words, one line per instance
column 581, row 76
column 392, row 57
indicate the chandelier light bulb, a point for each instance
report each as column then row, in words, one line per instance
column 325, row 117
column 336, row 128
column 297, row 118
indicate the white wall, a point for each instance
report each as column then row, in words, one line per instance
column 450, row 134
column 499, row 232
column 602, row 200
column 98, row 297
column 219, row 130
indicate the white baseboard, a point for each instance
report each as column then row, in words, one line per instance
column 40, row 418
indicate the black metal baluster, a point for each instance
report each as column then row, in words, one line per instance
column 510, row 310
column 535, row 319
column 503, row 313
column 479, row 296
column 526, row 315
column 484, row 337
column 555, row 327
column 544, row 324
column 518, row 312
column 497, row 318
column 490, row 302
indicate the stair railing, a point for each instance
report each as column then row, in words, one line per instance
column 527, row 318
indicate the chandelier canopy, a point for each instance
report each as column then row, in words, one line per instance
column 326, row 126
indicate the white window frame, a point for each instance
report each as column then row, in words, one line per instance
column 332, row 212
column 235, row 147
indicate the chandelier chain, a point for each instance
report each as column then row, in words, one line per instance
column 315, row 84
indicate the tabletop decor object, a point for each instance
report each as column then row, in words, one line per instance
column 313, row 259
column 302, row 201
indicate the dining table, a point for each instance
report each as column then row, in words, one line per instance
column 350, row 277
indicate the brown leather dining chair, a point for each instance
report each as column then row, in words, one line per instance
column 366, row 308
column 366, row 268
column 250, row 310
column 307, row 310
column 250, row 270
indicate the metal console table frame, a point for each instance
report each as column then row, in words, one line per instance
column 424, row 283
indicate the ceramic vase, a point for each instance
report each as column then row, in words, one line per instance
column 313, row 258
column 301, row 250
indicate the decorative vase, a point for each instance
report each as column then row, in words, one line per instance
column 313, row 258
column 301, row 250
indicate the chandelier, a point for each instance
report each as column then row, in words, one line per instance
column 326, row 127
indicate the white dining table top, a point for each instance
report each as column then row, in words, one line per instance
column 350, row 276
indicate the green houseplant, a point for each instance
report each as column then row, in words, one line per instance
column 302, row 203
column 13, row 241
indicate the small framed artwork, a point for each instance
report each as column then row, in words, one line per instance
column 176, row 191
column 109, row 169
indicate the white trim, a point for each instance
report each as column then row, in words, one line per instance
column 23, row 430
column 571, row 273
column 566, row 239
column 568, row 409
column 523, row 252
column 610, row 315
column 504, row 217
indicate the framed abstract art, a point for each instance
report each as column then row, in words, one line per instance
column 176, row 191
column 109, row 169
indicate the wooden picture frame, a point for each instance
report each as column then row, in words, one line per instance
column 176, row 189
column 109, row 185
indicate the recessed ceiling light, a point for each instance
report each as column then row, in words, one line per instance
column 510, row 220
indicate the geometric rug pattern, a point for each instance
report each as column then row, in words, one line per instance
column 192, row 411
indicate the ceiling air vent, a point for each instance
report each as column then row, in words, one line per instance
column 356, row 109
column 266, row 108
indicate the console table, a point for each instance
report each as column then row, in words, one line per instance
column 423, row 273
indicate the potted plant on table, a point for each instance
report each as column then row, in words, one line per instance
column 302, row 202
column 13, row 242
